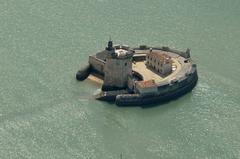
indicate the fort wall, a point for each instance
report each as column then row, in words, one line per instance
column 96, row 64
column 165, row 92
column 145, row 49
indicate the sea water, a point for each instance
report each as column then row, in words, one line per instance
column 46, row 113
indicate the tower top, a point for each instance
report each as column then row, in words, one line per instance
column 110, row 45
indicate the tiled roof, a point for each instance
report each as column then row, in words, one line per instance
column 160, row 56
column 144, row 84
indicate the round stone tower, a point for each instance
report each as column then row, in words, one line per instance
column 118, row 67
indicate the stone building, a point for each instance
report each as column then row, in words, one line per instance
column 146, row 87
column 118, row 67
column 160, row 62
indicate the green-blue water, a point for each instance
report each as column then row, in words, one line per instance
column 46, row 113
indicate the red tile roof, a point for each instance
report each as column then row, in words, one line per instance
column 144, row 84
column 160, row 56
